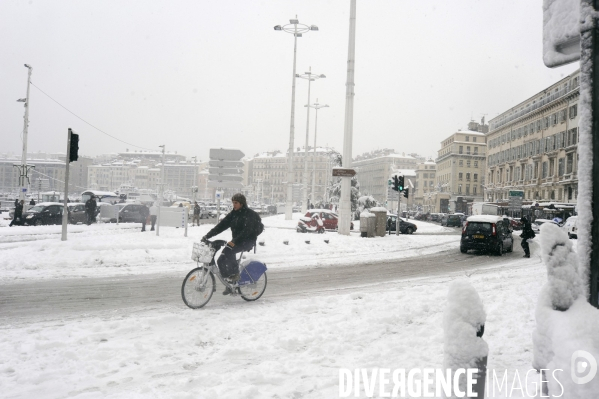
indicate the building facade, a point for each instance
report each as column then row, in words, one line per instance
column 425, row 182
column 374, row 172
column 460, row 170
column 533, row 146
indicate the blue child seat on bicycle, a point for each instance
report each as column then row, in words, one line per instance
column 252, row 272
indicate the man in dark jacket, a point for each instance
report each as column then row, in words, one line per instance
column 18, row 213
column 144, row 212
column 527, row 233
column 196, row 213
column 243, row 222
column 90, row 210
column 32, row 202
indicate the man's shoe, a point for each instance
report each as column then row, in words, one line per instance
column 227, row 291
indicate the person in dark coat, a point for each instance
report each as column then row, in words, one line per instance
column 90, row 210
column 18, row 213
column 32, row 202
column 144, row 212
column 527, row 234
column 196, row 213
column 242, row 221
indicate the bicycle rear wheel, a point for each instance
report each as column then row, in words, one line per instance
column 197, row 288
column 251, row 292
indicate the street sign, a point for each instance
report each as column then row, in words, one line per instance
column 226, row 164
column 561, row 32
column 343, row 172
column 225, row 184
column 225, row 178
column 515, row 200
column 223, row 154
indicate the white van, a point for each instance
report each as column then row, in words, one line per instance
column 570, row 227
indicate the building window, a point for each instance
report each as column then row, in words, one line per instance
column 425, row 175
column 474, row 190
column 461, row 151
column 467, row 138
column 573, row 111
column 460, row 176
column 476, row 177
column 459, row 189
column 468, row 176
column 476, row 164
column 569, row 163
column 461, row 162
column 561, row 166
column 468, row 163
column 467, row 189
column 474, row 139
column 545, row 170
column 468, row 150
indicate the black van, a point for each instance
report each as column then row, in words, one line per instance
column 487, row 233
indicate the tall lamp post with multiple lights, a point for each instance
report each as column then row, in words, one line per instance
column 23, row 168
column 316, row 106
column 310, row 77
column 297, row 30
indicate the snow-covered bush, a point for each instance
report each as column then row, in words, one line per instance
column 464, row 316
column 566, row 322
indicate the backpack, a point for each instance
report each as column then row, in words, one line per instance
column 257, row 226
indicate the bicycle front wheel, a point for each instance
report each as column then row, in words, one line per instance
column 197, row 288
column 253, row 291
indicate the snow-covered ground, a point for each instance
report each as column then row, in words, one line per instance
column 291, row 348
column 111, row 250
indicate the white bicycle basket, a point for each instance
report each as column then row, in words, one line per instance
column 202, row 252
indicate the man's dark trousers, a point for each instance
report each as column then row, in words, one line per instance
column 227, row 264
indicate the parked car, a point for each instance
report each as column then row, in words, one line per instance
column 405, row 227
column 44, row 213
column 571, row 227
column 452, row 220
column 130, row 213
column 536, row 225
column 487, row 233
column 329, row 219
column 76, row 212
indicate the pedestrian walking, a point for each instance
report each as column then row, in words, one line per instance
column 527, row 234
column 18, row 214
column 144, row 212
column 153, row 215
column 90, row 210
column 196, row 213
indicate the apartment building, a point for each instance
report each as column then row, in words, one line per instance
column 424, row 182
column 267, row 175
column 460, row 170
column 533, row 146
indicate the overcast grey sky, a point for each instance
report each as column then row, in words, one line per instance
column 201, row 74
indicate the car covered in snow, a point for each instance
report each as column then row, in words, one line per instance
column 571, row 227
column 487, row 233
column 314, row 218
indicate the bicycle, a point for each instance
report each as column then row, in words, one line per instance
column 199, row 284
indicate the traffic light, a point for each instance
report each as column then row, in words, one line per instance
column 74, row 148
column 400, row 179
column 406, row 192
column 395, row 186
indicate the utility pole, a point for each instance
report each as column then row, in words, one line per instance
column 23, row 168
column 160, row 191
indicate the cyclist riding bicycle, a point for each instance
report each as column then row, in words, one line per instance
column 245, row 226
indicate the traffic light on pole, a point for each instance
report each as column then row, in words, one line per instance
column 406, row 192
column 74, row 147
column 400, row 179
column 395, row 186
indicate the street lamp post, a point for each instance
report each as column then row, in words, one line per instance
column 297, row 29
column 309, row 76
column 194, row 189
column 160, row 191
column 316, row 106
column 24, row 169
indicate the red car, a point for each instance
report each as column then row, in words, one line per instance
column 317, row 219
